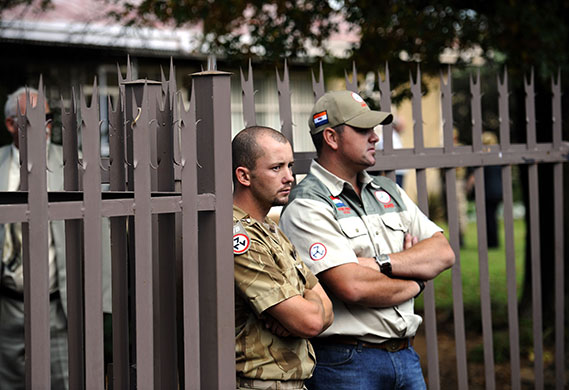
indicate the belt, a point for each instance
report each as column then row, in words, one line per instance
column 249, row 383
column 390, row 345
column 19, row 296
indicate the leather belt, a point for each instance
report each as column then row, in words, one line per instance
column 19, row 296
column 390, row 345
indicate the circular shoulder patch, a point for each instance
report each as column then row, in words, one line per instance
column 382, row 196
column 317, row 251
column 240, row 243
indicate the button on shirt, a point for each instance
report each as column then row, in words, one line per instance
column 267, row 272
column 331, row 225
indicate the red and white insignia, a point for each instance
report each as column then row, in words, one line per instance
column 241, row 243
column 382, row 196
column 317, row 251
column 358, row 99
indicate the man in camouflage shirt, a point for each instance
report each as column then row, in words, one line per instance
column 278, row 301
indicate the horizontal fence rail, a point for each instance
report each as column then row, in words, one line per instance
column 160, row 205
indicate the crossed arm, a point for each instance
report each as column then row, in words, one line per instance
column 302, row 316
column 362, row 283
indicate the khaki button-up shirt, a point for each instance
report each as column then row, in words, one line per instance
column 268, row 271
column 331, row 225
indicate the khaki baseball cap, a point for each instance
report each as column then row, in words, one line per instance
column 344, row 107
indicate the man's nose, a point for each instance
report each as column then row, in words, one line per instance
column 289, row 177
column 373, row 137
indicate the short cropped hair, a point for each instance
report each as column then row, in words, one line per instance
column 11, row 105
column 318, row 138
column 246, row 151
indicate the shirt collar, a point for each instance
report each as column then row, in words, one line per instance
column 335, row 184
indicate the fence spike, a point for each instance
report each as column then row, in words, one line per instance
column 318, row 86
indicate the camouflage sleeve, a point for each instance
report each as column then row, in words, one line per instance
column 260, row 280
column 311, row 280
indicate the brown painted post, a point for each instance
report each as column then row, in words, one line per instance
column 190, row 262
column 35, row 244
column 508, row 202
column 454, row 232
column 422, row 195
column 73, row 253
column 559, row 230
column 480, row 199
column 533, row 181
column 119, row 257
column 94, row 355
column 217, row 324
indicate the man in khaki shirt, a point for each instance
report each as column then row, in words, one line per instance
column 370, row 246
column 278, row 301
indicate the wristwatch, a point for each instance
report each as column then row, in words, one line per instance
column 384, row 263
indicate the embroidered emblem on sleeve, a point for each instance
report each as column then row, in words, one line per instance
column 384, row 198
column 241, row 241
column 317, row 251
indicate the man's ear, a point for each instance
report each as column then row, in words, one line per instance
column 330, row 137
column 243, row 176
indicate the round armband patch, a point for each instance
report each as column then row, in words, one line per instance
column 241, row 243
column 317, row 251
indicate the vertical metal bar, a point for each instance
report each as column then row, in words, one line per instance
column 531, row 132
column 513, row 320
column 248, row 98
column 418, row 140
column 144, row 283
column 285, row 108
column 217, row 321
column 480, row 199
column 511, row 277
column 166, row 262
column 454, row 230
column 318, row 87
column 559, row 233
column 73, row 253
column 94, row 355
column 423, row 202
column 120, row 372
column 476, row 107
column 35, row 243
column 190, row 265
column 352, row 85
column 504, row 112
column 385, row 105
column 534, row 235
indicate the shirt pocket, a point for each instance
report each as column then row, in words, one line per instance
column 356, row 232
column 395, row 231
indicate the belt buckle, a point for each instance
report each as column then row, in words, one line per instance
column 394, row 345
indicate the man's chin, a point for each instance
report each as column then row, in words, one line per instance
column 282, row 201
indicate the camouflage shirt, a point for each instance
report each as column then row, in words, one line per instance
column 267, row 272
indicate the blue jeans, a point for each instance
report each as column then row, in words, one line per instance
column 347, row 367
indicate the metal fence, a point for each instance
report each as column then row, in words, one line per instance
column 169, row 205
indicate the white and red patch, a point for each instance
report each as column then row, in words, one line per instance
column 359, row 99
column 241, row 243
column 384, row 198
column 317, row 251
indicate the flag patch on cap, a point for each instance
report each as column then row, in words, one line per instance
column 320, row 119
